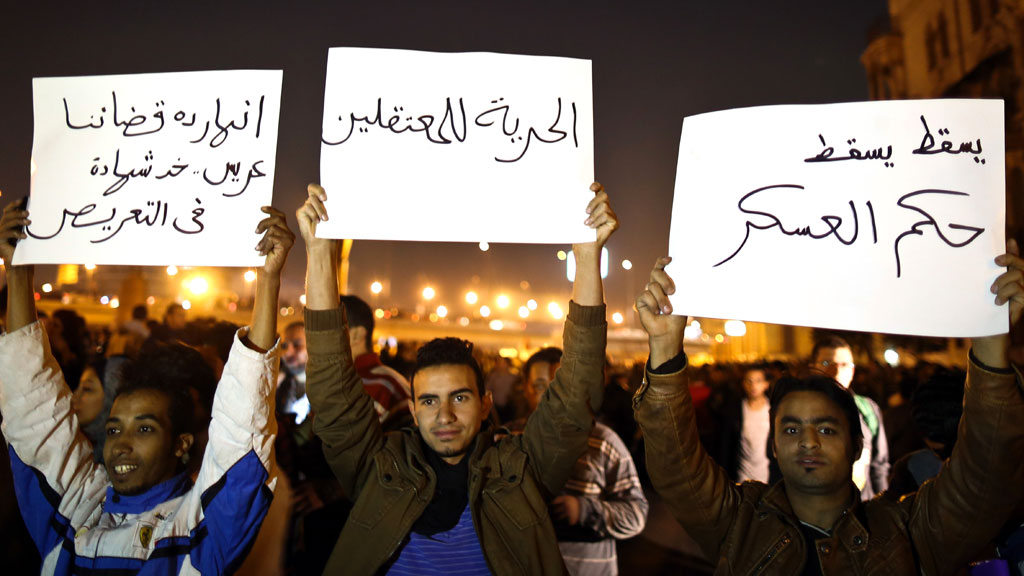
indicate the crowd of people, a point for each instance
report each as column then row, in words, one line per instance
column 203, row 447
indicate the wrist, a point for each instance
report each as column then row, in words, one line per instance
column 992, row 351
column 663, row 350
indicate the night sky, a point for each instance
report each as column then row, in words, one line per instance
column 653, row 64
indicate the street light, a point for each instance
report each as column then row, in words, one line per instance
column 428, row 293
column 172, row 270
column 250, row 275
column 502, row 301
column 485, row 311
column 376, row 287
column 471, row 297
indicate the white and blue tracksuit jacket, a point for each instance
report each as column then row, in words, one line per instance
column 77, row 522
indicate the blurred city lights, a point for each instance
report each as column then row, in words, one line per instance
column 485, row 311
column 693, row 331
column 496, row 325
column 627, row 265
column 508, row 353
column 471, row 297
column 428, row 293
column 617, row 318
column 561, row 255
column 198, row 285
column 502, row 301
column 376, row 287
column 115, row 302
column 735, row 328
column 524, row 312
column 378, row 313
column 531, row 304
column 442, row 311
column 524, row 285
column 172, row 270
column 104, row 300
column 434, row 317
column 892, row 357
column 90, row 266
column 186, row 305
column 555, row 310
column 719, row 338
column 250, row 275
column 302, row 299
column 463, row 321
column 47, row 288
column 150, row 301
column 484, row 246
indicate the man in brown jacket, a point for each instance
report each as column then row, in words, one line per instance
column 444, row 498
column 812, row 521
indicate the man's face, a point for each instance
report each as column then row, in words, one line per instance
column 448, row 409
column 812, row 443
column 754, row 384
column 175, row 319
column 87, row 401
column 293, row 347
column 537, row 382
column 141, row 451
column 836, row 363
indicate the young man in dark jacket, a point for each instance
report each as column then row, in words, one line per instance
column 442, row 497
column 813, row 521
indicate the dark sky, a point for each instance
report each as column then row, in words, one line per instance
column 653, row 64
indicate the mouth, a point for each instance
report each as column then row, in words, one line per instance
column 445, row 435
column 810, row 463
column 124, row 469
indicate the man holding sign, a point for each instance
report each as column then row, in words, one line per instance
column 444, row 498
column 139, row 512
column 813, row 521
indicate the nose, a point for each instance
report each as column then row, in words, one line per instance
column 445, row 414
column 809, row 438
column 120, row 445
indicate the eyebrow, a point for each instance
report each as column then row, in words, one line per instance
column 450, row 394
column 819, row 420
column 116, row 420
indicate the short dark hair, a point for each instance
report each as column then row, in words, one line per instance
column 294, row 325
column 447, row 351
column 937, row 405
column 358, row 313
column 832, row 390
column 173, row 307
column 171, row 370
column 828, row 342
column 140, row 312
column 549, row 355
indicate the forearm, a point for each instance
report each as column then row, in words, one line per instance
column 992, row 351
column 21, row 303
column 587, row 288
column 322, row 277
column 264, row 314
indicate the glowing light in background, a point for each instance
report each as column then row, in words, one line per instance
column 735, row 328
column 485, row 311
column 561, row 255
column 198, row 285
column 442, row 311
column 484, row 246
column 502, row 301
column 104, row 300
column 555, row 310
column 47, row 288
column 471, row 297
column 719, row 338
column 250, row 275
column 302, row 299
column 627, row 265
column 428, row 293
column 531, row 304
column 524, row 312
column 892, row 357
column 496, row 325
column 376, row 287
column 617, row 318
column 172, row 270
column 115, row 302
column 379, row 313
column 90, row 266
column 185, row 304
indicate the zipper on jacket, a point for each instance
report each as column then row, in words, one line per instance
column 782, row 543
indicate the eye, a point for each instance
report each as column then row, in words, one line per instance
column 427, row 402
column 827, row 430
column 461, row 397
column 145, row 429
column 789, row 430
column 112, row 431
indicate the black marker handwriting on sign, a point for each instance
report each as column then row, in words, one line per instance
column 155, row 214
column 854, row 153
column 454, row 116
column 928, row 146
column 832, row 224
column 140, row 124
column 230, row 172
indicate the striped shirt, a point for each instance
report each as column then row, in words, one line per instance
column 456, row 552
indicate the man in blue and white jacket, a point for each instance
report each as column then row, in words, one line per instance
column 139, row 513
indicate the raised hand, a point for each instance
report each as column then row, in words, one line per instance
column 587, row 289
column 12, row 229
column 277, row 240
column 1008, row 287
column 664, row 331
column 311, row 213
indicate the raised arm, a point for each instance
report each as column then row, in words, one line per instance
column 344, row 417
column 697, row 491
column 276, row 242
column 955, row 515
column 556, row 433
column 21, row 304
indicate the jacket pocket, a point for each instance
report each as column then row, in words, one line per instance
column 384, row 489
column 518, row 497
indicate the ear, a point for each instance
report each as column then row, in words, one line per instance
column 486, row 403
column 357, row 333
column 412, row 410
column 183, row 445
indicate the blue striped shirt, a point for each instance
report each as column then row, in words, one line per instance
column 456, row 552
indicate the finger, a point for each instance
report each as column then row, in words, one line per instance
column 316, row 191
column 660, row 297
column 1010, row 260
column 596, row 187
column 318, row 208
column 1009, row 291
column 600, row 198
column 646, row 306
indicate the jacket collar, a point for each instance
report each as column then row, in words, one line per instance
column 849, row 527
column 138, row 503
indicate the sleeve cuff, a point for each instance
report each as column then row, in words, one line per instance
column 587, row 315
column 974, row 360
column 324, row 320
column 671, row 367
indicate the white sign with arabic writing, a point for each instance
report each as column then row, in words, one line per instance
column 456, row 147
column 152, row 169
column 877, row 216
